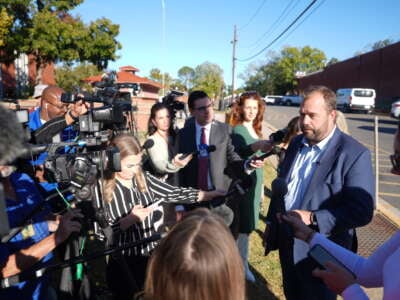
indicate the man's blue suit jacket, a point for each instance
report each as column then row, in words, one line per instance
column 341, row 191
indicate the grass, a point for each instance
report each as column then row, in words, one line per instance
column 266, row 269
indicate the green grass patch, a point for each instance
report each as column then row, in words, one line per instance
column 266, row 268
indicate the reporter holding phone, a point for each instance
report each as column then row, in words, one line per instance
column 127, row 196
column 246, row 119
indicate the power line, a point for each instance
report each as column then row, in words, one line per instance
column 277, row 22
column 281, row 34
column 254, row 15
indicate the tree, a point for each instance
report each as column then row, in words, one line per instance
column 46, row 29
column 209, row 78
column 332, row 61
column 68, row 77
column 5, row 26
column 278, row 75
column 156, row 75
column 186, row 75
column 380, row 44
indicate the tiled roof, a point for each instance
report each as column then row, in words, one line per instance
column 129, row 68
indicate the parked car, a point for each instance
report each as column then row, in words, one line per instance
column 355, row 99
column 273, row 99
column 292, row 100
column 395, row 111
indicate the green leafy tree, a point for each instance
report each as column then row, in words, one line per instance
column 278, row 75
column 332, row 61
column 209, row 78
column 46, row 29
column 5, row 26
column 186, row 75
column 380, row 44
column 69, row 78
column 156, row 75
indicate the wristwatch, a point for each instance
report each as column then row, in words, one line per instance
column 313, row 219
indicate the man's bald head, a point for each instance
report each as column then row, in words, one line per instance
column 51, row 105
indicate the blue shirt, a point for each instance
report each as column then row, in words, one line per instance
column 27, row 198
column 302, row 171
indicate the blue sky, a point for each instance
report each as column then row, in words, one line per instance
column 199, row 31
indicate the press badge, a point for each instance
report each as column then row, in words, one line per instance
column 28, row 232
column 203, row 150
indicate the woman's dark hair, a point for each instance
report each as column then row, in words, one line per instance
column 293, row 129
column 151, row 128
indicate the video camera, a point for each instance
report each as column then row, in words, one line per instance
column 173, row 104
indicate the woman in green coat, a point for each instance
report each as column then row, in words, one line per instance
column 246, row 120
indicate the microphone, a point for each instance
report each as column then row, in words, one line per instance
column 275, row 150
column 148, row 144
column 239, row 186
column 209, row 149
column 279, row 191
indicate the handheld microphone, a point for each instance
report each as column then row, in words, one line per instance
column 148, row 144
column 275, row 150
column 210, row 148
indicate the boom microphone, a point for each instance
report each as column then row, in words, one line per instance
column 148, row 144
column 209, row 149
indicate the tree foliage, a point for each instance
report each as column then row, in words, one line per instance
column 46, row 29
column 5, row 26
column 209, row 78
column 380, row 44
column 156, row 75
column 69, row 78
column 186, row 76
column 278, row 75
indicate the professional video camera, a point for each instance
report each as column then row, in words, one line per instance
column 117, row 105
column 173, row 104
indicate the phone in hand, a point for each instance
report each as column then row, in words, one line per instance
column 321, row 256
column 155, row 204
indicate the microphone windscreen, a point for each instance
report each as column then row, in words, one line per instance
column 148, row 144
column 279, row 187
column 211, row 148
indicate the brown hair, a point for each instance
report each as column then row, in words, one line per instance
column 328, row 95
column 127, row 145
column 237, row 111
column 197, row 260
column 293, row 128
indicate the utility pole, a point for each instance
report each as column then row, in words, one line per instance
column 233, row 62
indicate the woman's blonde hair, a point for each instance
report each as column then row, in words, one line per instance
column 341, row 122
column 127, row 145
column 197, row 260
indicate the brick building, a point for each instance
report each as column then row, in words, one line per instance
column 147, row 96
column 379, row 70
column 17, row 79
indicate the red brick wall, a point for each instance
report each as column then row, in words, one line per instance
column 378, row 69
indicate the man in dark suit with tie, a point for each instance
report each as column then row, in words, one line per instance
column 207, row 171
column 330, row 186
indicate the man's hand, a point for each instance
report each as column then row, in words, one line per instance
column 68, row 224
column 79, row 108
column 256, row 163
column 300, row 229
column 335, row 277
column 304, row 215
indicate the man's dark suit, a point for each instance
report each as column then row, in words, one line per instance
column 341, row 195
column 221, row 158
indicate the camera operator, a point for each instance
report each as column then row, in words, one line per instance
column 50, row 123
column 33, row 243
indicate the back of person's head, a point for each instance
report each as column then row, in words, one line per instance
column 341, row 122
column 237, row 116
column 293, row 129
column 195, row 95
column 198, row 260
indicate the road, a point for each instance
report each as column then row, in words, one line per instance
column 361, row 127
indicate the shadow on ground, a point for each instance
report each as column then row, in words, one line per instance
column 259, row 289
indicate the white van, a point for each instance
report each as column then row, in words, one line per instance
column 355, row 99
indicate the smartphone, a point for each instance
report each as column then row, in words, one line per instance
column 155, row 204
column 321, row 256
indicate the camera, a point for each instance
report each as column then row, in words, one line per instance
column 278, row 136
column 173, row 104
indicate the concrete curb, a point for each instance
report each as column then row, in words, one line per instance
column 389, row 211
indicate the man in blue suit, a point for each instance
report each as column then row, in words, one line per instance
column 330, row 186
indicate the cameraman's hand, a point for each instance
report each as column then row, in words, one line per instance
column 68, row 225
column 77, row 109
column 181, row 162
column 208, row 195
column 140, row 213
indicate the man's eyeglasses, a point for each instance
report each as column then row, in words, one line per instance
column 395, row 159
column 204, row 108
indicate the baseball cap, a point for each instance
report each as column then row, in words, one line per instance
column 39, row 90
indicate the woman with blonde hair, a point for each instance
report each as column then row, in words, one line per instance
column 198, row 260
column 247, row 117
column 129, row 198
